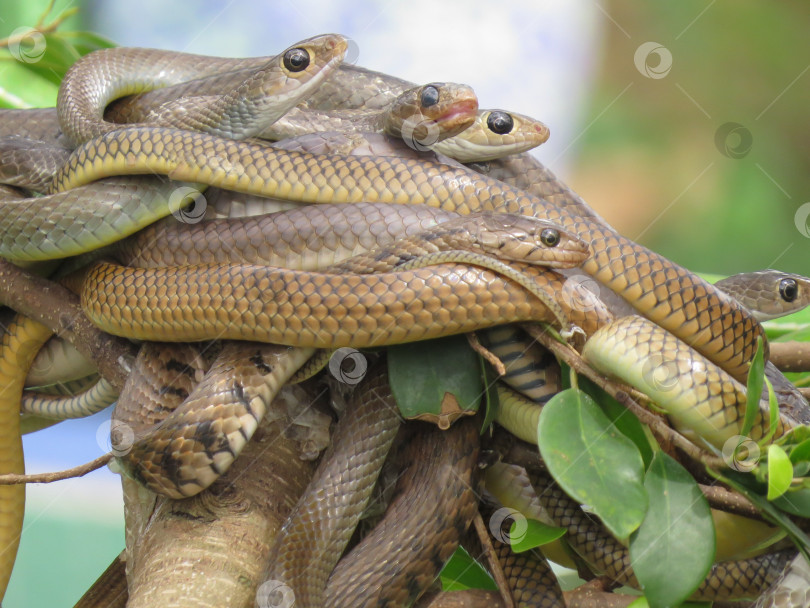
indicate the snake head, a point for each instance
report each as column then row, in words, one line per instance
column 431, row 113
column 527, row 239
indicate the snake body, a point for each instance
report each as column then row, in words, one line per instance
column 679, row 301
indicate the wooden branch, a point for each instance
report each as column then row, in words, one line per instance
column 729, row 501
column 494, row 562
column 622, row 394
column 791, row 356
column 59, row 309
column 79, row 471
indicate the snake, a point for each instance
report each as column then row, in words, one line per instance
column 682, row 303
column 188, row 467
column 768, row 294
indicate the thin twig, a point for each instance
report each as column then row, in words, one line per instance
column 40, row 27
column 79, row 471
column 487, row 354
column 731, row 502
column 622, row 395
column 494, row 563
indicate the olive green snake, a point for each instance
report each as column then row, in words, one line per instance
column 373, row 179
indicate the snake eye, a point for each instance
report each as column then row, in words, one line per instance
column 500, row 123
column 788, row 289
column 429, row 96
column 296, row 60
column 550, row 237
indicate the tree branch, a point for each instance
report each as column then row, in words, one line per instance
column 791, row 356
column 79, row 471
column 59, row 309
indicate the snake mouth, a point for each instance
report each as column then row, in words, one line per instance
column 460, row 115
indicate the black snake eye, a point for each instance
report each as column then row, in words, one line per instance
column 788, row 289
column 296, row 60
column 500, row 123
column 550, row 237
column 429, row 96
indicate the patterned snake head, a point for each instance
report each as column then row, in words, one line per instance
column 768, row 294
column 494, row 134
column 425, row 115
column 523, row 238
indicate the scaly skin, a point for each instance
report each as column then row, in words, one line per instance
column 679, row 301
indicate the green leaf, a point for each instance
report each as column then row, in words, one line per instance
column 673, row 549
column 490, row 393
column 436, row 380
column 753, row 490
column 18, row 83
column 795, row 502
column 756, row 376
column 620, row 416
column 592, row 461
column 462, row 572
column 780, row 472
column 801, row 452
column 536, row 534
column 773, row 421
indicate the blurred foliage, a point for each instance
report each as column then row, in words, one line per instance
column 649, row 162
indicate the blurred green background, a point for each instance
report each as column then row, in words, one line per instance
column 707, row 163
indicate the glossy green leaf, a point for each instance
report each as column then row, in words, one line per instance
column 592, row 461
column 801, row 452
column 19, row 87
column 795, row 502
column 756, row 377
column 436, row 380
column 780, row 472
column 462, row 572
column 624, row 419
column 535, row 534
column 673, row 549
